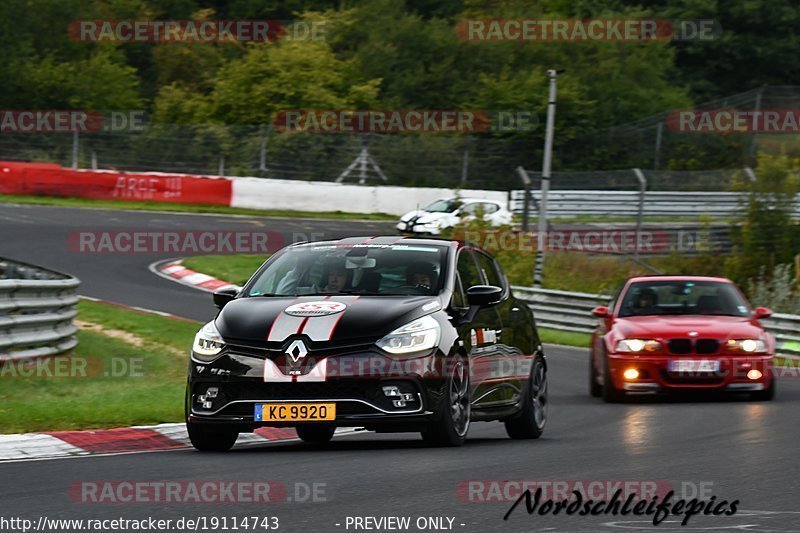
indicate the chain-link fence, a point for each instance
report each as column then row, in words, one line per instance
column 411, row 160
column 484, row 161
column 659, row 142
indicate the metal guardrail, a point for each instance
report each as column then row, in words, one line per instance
column 573, row 203
column 572, row 311
column 37, row 307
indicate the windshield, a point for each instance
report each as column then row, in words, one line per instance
column 442, row 206
column 683, row 298
column 360, row 269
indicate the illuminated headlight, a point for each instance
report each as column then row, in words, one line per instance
column 207, row 343
column 416, row 336
column 638, row 345
column 748, row 345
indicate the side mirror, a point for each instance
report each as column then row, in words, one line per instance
column 223, row 296
column 484, row 295
column 762, row 312
column 601, row 312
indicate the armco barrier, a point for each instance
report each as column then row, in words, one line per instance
column 40, row 179
column 36, row 311
column 572, row 311
column 574, row 203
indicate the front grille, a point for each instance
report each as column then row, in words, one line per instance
column 678, row 379
column 699, row 346
column 342, row 388
column 706, row 346
column 680, row 346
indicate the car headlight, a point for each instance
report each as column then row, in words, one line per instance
column 207, row 343
column 638, row 345
column 747, row 345
column 418, row 335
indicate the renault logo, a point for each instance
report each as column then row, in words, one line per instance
column 296, row 350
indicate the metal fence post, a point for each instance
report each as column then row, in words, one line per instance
column 262, row 151
column 526, row 205
column 657, row 156
column 640, row 212
column 464, row 165
column 547, row 159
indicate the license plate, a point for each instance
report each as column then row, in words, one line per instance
column 693, row 365
column 295, row 412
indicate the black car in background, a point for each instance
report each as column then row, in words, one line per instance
column 387, row 333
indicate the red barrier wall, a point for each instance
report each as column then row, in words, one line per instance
column 42, row 179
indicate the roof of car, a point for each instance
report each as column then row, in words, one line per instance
column 384, row 240
column 672, row 277
column 470, row 200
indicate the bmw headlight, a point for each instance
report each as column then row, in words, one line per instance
column 747, row 345
column 638, row 345
column 416, row 336
column 207, row 343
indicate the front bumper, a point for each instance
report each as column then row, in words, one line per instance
column 655, row 375
column 356, row 389
column 418, row 229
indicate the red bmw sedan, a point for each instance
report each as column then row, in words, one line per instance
column 680, row 333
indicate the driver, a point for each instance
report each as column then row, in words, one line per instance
column 337, row 277
column 421, row 273
column 646, row 301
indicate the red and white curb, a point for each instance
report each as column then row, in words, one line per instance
column 175, row 271
column 136, row 439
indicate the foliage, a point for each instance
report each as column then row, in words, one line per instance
column 780, row 290
column 768, row 235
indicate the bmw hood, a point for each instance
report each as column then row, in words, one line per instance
column 265, row 321
column 709, row 327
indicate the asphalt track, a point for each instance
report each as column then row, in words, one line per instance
column 732, row 448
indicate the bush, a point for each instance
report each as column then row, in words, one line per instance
column 779, row 291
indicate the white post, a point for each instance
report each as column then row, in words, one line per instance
column 75, row 149
column 546, row 163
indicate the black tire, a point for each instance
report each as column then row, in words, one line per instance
column 766, row 395
column 451, row 425
column 595, row 389
column 315, row 433
column 610, row 393
column 530, row 422
column 210, row 438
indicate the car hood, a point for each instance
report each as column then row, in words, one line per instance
column 412, row 214
column 423, row 217
column 707, row 327
column 262, row 321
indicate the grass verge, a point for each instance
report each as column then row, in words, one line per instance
column 235, row 269
column 190, row 208
column 566, row 338
column 128, row 369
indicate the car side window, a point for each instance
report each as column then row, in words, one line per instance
column 488, row 209
column 459, row 297
column 490, row 270
column 467, row 270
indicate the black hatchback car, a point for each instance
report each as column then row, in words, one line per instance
column 387, row 333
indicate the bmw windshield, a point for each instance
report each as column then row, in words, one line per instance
column 384, row 270
column 683, row 298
